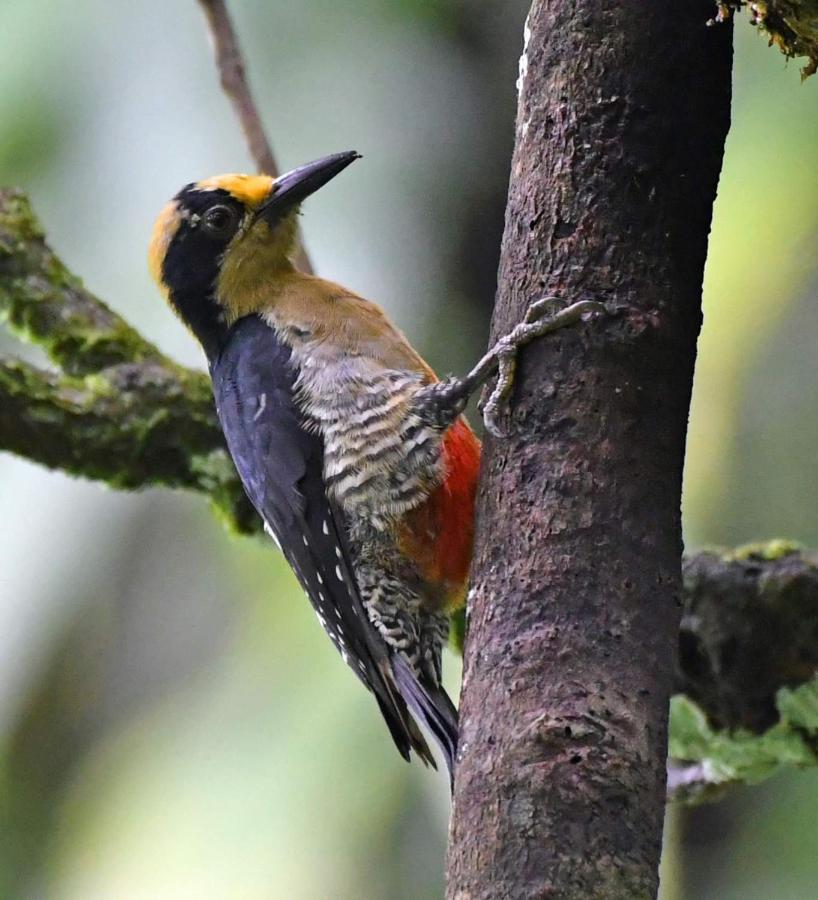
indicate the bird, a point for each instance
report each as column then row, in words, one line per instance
column 355, row 455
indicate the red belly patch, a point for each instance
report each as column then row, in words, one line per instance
column 438, row 535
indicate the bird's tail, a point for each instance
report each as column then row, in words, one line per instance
column 431, row 706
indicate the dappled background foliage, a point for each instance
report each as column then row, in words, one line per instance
column 172, row 720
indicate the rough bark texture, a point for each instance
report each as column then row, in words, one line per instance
column 576, row 583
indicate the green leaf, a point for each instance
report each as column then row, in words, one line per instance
column 739, row 756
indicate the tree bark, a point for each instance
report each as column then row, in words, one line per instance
column 576, row 581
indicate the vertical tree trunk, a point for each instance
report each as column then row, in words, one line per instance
column 623, row 112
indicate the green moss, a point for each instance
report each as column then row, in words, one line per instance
column 43, row 303
column 457, row 635
column 763, row 551
column 18, row 224
column 792, row 25
column 220, row 481
column 767, row 551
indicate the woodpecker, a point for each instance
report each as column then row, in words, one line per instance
column 363, row 476
column 355, row 455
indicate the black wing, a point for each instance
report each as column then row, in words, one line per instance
column 280, row 463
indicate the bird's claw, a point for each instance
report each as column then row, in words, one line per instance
column 440, row 403
column 493, row 406
column 539, row 307
column 534, row 325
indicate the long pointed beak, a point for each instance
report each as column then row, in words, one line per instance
column 296, row 185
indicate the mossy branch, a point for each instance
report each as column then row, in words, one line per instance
column 116, row 410
column 748, row 656
column 749, row 627
column 43, row 303
column 792, row 25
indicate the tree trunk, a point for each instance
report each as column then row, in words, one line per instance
column 576, row 582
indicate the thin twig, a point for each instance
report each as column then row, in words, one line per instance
column 233, row 77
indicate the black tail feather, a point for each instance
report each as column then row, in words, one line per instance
column 405, row 733
column 403, row 728
column 396, row 729
column 431, row 705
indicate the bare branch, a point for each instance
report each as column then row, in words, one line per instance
column 233, row 77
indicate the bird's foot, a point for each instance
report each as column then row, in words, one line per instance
column 442, row 402
column 542, row 317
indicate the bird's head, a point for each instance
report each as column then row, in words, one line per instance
column 219, row 244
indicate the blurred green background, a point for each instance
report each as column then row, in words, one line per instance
column 173, row 723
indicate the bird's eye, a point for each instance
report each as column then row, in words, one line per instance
column 220, row 221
